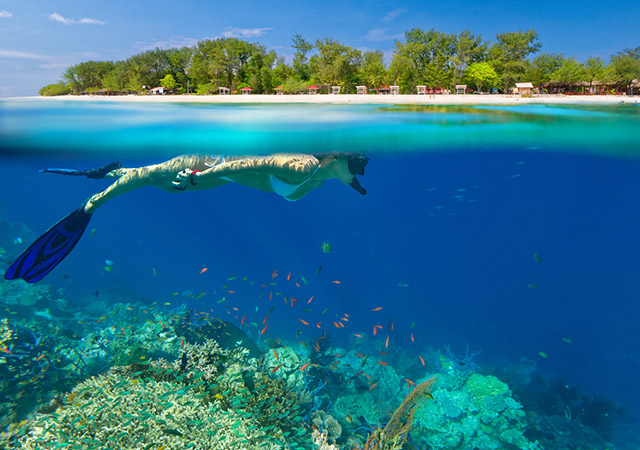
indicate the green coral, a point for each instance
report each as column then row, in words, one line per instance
column 480, row 415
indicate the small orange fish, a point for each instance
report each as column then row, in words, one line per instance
column 382, row 363
column 367, row 375
column 264, row 329
column 310, row 299
column 391, row 326
column 346, row 315
column 289, row 276
column 242, row 321
column 274, row 274
column 231, row 292
column 373, row 386
column 358, row 374
column 276, row 368
column 359, row 355
column 409, row 382
column 377, row 309
column 305, row 366
column 421, row 360
column 375, row 331
column 318, row 325
column 297, row 284
column 204, row 270
column 304, row 321
column 336, row 324
column 275, row 354
column 336, row 282
column 181, row 343
column 412, row 339
column 386, row 343
column 270, row 295
column 383, row 353
column 358, row 335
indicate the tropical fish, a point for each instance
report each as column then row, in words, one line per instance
column 543, row 354
column 537, row 257
column 567, row 340
column 373, row 386
column 17, row 240
column 94, row 231
column 275, row 354
column 325, row 311
column 326, row 247
column 383, row 363
column 421, row 360
column 154, row 271
column 402, row 284
column 533, row 285
column 203, row 270
column 336, row 282
column 264, row 329
column 108, row 268
column 274, row 274
column 108, row 262
column 379, row 308
column 304, row 280
column 276, row 368
column 305, row 366
column 386, row 343
column 304, row 321
column 318, row 270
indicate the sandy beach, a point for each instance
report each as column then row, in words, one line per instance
column 355, row 99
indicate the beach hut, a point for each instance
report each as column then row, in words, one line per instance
column 335, row 89
column 361, row 90
column 279, row 90
column 461, row 89
column 246, row 90
column 523, row 88
column 312, row 90
column 384, row 89
column 394, row 90
column 422, row 90
column 160, row 90
column 222, row 90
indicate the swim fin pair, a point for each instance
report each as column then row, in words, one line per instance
column 50, row 248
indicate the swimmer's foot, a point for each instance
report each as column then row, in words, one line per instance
column 50, row 248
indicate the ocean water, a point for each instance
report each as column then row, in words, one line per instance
column 511, row 231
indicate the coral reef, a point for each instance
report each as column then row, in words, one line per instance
column 394, row 434
column 208, row 397
column 479, row 415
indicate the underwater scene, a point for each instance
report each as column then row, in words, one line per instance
column 372, row 277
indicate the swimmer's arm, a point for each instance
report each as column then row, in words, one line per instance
column 290, row 167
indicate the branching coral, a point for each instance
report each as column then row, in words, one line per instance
column 395, row 432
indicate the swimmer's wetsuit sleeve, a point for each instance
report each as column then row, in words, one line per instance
column 289, row 166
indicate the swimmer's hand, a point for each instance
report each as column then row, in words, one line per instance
column 183, row 179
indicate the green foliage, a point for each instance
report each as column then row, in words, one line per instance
column 293, row 85
column 55, row 89
column 372, row 71
column 625, row 66
column 169, row 82
column 424, row 57
column 480, row 74
column 335, row 63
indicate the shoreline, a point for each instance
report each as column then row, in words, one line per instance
column 409, row 99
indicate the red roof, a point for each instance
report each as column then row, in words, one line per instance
column 279, row 87
column 246, row 88
column 313, row 87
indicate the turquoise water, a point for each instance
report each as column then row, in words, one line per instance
column 496, row 249
column 52, row 126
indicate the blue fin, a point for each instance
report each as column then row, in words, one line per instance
column 50, row 248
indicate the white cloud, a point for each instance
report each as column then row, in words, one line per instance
column 172, row 42
column 55, row 17
column 391, row 15
column 381, row 34
column 5, row 14
column 231, row 32
column 15, row 54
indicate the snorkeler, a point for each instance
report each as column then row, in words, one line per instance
column 291, row 176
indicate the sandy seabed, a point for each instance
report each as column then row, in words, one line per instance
column 356, row 99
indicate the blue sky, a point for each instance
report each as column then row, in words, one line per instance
column 40, row 38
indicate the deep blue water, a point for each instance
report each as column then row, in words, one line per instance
column 460, row 229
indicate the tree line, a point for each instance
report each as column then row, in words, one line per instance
column 425, row 57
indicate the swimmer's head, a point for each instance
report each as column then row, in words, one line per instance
column 354, row 163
